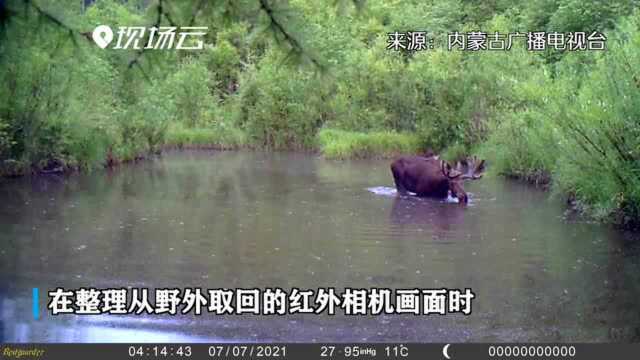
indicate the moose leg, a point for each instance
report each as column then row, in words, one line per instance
column 398, row 180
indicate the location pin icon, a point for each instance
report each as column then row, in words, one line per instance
column 102, row 35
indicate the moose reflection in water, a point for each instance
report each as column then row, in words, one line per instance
column 430, row 176
column 410, row 213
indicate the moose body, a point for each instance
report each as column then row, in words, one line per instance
column 419, row 175
column 432, row 177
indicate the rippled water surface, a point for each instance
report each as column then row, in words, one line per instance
column 249, row 219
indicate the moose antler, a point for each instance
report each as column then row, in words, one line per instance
column 471, row 168
column 448, row 171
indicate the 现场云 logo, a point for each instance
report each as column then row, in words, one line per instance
column 102, row 36
column 157, row 38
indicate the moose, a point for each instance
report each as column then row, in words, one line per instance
column 430, row 176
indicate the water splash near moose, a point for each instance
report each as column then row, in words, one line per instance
column 392, row 192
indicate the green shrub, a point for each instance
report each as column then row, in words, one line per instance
column 5, row 139
column 223, row 64
column 281, row 107
column 150, row 117
column 523, row 145
column 195, row 102
column 600, row 144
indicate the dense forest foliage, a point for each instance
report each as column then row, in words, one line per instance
column 312, row 74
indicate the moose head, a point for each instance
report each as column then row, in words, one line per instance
column 466, row 169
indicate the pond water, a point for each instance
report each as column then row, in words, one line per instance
column 265, row 220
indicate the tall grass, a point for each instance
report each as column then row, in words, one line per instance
column 340, row 144
column 220, row 138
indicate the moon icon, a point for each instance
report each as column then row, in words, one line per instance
column 445, row 350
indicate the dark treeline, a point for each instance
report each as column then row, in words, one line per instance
column 302, row 74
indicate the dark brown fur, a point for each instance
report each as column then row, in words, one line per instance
column 431, row 177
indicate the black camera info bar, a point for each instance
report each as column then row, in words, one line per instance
column 409, row 351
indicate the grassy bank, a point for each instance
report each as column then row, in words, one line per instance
column 332, row 143
column 340, row 144
column 218, row 138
